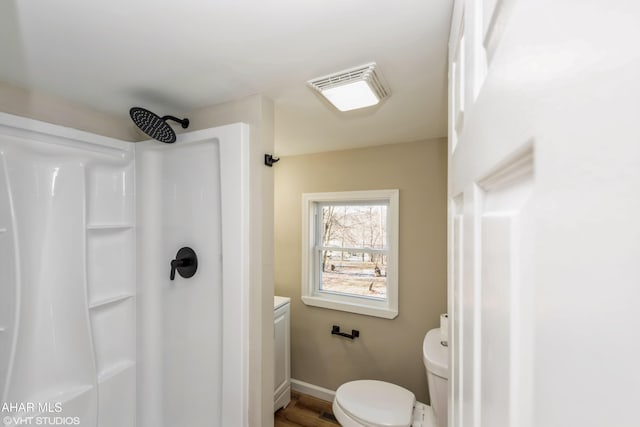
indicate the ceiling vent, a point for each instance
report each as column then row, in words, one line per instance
column 358, row 87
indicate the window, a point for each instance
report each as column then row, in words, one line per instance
column 350, row 251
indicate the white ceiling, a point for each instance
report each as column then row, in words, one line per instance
column 174, row 57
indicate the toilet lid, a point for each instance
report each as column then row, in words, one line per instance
column 377, row 403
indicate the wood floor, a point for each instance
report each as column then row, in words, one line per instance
column 306, row 411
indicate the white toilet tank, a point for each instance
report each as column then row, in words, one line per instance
column 436, row 358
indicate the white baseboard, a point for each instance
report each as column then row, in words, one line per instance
column 313, row 390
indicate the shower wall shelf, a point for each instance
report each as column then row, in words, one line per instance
column 62, row 395
column 113, row 329
column 110, row 226
column 115, row 370
column 81, row 395
column 69, row 394
column 112, row 300
column 111, row 272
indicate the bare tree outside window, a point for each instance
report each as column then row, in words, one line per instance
column 354, row 249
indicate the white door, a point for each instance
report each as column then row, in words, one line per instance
column 544, row 262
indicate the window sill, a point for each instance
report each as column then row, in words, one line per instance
column 351, row 307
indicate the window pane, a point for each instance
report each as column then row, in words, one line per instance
column 360, row 274
column 354, row 226
column 350, row 251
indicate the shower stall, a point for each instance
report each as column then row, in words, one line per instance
column 93, row 331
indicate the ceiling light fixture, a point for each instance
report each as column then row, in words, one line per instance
column 357, row 87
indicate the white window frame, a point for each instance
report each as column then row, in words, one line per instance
column 311, row 294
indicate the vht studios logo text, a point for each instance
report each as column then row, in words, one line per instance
column 40, row 421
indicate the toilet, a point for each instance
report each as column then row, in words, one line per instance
column 371, row 403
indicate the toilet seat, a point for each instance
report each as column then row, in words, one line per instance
column 374, row 404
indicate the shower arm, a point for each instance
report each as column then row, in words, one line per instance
column 183, row 122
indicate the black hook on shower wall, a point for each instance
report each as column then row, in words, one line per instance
column 335, row 330
column 269, row 160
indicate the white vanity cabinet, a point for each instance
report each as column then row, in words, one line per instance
column 282, row 348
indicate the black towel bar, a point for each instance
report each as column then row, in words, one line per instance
column 335, row 330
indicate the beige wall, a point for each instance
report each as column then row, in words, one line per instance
column 388, row 350
column 51, row 109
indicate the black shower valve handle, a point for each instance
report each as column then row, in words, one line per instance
column 174, row 265
column 185, row 263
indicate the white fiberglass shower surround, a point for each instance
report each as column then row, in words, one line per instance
column 92, row 330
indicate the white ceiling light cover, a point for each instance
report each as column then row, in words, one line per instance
column 357, row 87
